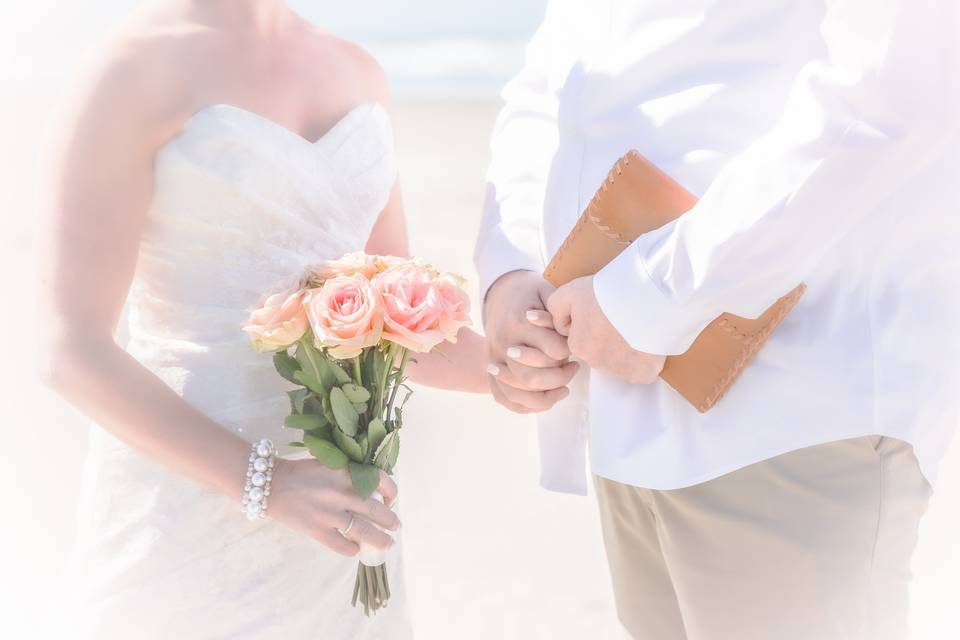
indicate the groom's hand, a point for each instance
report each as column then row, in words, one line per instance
column 591, row 338
column 529, row 368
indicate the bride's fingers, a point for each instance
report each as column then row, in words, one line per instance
column 533, row 400
column 388, row 489
column 336, row 542
column 376, row 512
column 531, row 357
column 362, row 532
column 540, row 318
column 534, row 379
column 502, row 399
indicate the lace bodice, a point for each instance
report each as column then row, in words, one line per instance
column 240, row 204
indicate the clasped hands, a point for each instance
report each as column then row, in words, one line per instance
column 533, row 331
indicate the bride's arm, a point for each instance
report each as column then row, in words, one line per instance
column 98, row 196
column 457, row 367
column 88, row 241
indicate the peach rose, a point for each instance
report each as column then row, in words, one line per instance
column 280, row 319
column 348, row 265
column 411, row 307
column 455, row 304
column 353, row 263
column 345, row 314
column 382, row 263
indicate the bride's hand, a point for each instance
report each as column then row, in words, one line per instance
column 315, row 500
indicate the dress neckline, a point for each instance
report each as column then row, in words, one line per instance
column 273, row 124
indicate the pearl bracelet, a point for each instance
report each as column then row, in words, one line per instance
column 263, row 457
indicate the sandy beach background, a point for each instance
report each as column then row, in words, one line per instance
column 490, row 555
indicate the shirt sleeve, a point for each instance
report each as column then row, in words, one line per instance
column 525, row 139
column 879, row 107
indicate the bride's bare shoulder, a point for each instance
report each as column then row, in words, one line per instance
column 137, row 71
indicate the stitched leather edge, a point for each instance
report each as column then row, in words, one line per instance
column 588, row 215
column 752, row 344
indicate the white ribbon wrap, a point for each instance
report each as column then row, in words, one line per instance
column 371, row 556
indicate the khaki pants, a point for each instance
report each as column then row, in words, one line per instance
column 811, row 545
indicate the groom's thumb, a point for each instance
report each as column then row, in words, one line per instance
column 560, row 309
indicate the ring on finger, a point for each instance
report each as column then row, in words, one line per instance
column 349, row 526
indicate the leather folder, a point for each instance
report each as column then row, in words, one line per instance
column 637, row 198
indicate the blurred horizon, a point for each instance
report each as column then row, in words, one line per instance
column 441, row 49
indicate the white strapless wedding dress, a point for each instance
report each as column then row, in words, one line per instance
column 240, row 204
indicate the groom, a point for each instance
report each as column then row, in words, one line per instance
column 822, row 141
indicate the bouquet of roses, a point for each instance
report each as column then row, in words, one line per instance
column 343, row 332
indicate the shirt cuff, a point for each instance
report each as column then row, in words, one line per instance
column 636, row 305
column 500, row 254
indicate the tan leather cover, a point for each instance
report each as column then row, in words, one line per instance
column 637, row 198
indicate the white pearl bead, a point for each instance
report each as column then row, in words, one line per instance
column 256, row 494
column 258, row 479
column 264, row 449
column 260, row 464
column 253, row 508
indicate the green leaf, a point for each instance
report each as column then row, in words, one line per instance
column 306, row 422
column 326, row 452
column 373, row 363
column 376, row 432
column 308, row 380
column 379, row 364
column 297, row 398
column 343, row 412
column 355, row 393
column 285, row 365
column 324, row 433
column 327, row 410
column 313, row 405
column 366, row 479
column 326, row 372
column 348, row 445
column 394, row 452
column 398, row 419
column 364, row 447
column 342, row 376
column 388, row 451
column 361, row 407
column 319, row 366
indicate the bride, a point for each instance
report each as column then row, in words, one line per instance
column 215, row 147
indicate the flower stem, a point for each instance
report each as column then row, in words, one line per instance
column 309, row 353
column 382, row 386
column 357, row 371
column 398, row 381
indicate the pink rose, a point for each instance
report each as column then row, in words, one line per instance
column 345, row 315
column 280, row 319
column 411, row 307
column 455, row 304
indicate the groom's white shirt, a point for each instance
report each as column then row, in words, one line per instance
column 822, row 139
